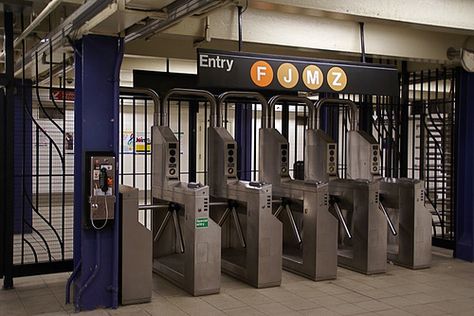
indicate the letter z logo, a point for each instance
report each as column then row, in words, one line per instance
column 337, row 79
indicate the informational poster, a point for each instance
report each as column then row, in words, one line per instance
column 142, row 143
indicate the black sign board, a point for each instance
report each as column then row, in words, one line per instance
column 257, row 72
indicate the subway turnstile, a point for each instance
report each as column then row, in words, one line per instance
column 187, row 246
column 404, row 202
column 309, row 229
column 251, row 235
column 362, row 244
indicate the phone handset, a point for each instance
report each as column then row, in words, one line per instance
column 103, row 180
column 104, row 187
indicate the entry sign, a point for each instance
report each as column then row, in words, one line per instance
column 248, row 71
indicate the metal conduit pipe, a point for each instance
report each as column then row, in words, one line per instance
column 238, row 94
column 150, row 93
column 332, row 101
column 189, row 92
column 278, row 98
column 50, row 7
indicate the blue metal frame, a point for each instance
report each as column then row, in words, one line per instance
column 465, row 173
column 96, row 253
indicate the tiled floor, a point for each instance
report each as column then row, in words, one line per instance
column 445, row 289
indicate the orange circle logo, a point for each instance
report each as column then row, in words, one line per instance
column 261, row 73
column 287, row 75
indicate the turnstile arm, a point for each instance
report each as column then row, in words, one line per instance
column 293, row 224
column 387, row 217
column 177, row 228
column 342, row 219
column 162, row 226
column 235, row 217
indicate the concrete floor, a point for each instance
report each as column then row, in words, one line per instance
column 445, row 289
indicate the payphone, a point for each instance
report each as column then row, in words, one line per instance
column 101, row 189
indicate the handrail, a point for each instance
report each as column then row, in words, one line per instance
column 349, row 103
column 148, row 92
column 188, row 92
column 240, row 94
column 277, row 98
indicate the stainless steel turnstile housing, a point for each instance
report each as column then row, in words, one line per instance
column 188, row 253
column 365, row 250
column 251, row 235
column 310, row 230
column 404, row 202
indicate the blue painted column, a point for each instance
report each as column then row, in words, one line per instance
column 98, row 60
column 464, row 232
column 243, row 137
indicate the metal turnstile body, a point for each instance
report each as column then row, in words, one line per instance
column 405, row 204
column 365, row 250
column 310, row 230
column 136, row 277
column 187, row 253
column 361, row 246
column 251, row 235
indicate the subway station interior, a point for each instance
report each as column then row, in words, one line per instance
column 236, row 157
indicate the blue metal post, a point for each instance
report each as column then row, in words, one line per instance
column 243, row 137
column 464, row 232
column 98, row 60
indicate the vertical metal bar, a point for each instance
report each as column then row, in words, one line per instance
column 388, row 109
column 23, row 167
column 225, row 113
column 50, row 178
column 134, row 132
column 304, row 127
column 9, row 155
column 179, row 136
column 285, row 119
column 296, row 136
column 404, row 103
column 255, row 133
column 121, row 140
column 193, row 107
column 413, row 108
column 37, row 167
column 422, row 133
column 145, row 127
column 63, row 188
column 455, row 91
column 205, row 142
column 431, row 149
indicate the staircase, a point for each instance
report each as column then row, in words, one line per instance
column 438, row 166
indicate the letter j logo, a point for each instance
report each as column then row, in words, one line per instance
column 261, row 73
